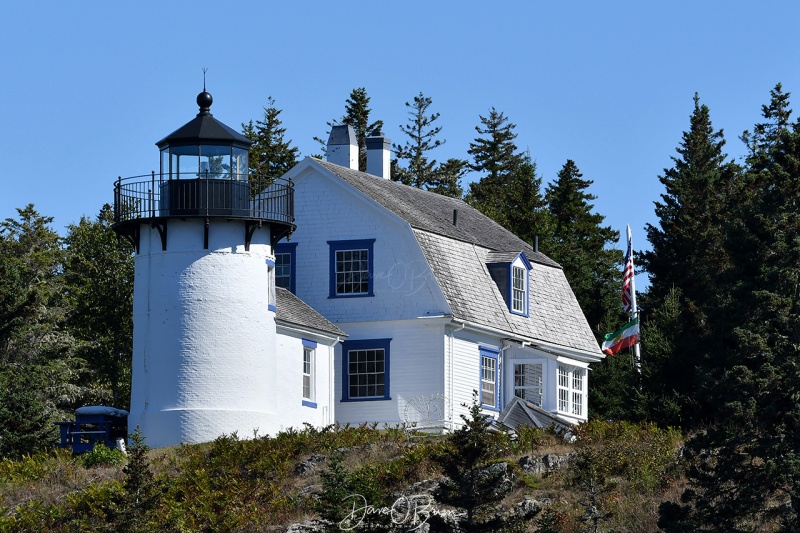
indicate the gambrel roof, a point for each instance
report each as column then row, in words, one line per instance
column 458, row 248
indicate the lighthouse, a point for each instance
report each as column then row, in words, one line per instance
column 204, row 338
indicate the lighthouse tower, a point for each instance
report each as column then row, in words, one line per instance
column 204, row 298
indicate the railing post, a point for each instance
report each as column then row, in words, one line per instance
column 152, row 193
column 117, row 188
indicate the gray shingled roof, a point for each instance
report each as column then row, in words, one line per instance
column 458, row 255
column 293, row 310
column 520, row 412
column 434, row 213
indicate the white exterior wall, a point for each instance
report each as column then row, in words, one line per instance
column 466, row 372
column 403, row 284
column 203, row 340
column 290, row 381
column 416, row 368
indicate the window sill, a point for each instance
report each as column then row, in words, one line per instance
column 360, row 295
column 307, row 403
column 365, row 399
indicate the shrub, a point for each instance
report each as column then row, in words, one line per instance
column 102, row 455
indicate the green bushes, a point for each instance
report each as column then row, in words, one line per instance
column 102, row 455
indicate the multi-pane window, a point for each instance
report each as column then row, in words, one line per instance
column 351, row 268
column 285, row 265
column 571, row 390
column 488, row 381
column 352, row 272
column 283, row 270
column 528, row 382
column 365, row 369
column 367, row 373
column 489, row 377
column 518, row 289
column 309, row 373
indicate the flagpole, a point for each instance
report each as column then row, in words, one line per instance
column 637, row 355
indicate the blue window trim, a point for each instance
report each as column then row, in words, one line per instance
column 337, row 246
column 366, row 344
column 526, row 264
column 291, row 249
column 313, row 345
column 494, row 353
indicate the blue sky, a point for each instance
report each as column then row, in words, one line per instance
column 89, row 87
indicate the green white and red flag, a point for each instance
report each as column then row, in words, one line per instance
column 624, row 337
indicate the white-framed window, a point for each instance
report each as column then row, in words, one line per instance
column 309, row 373
column 528, row 382
column 519, row 282
column 366, row 368
column 489, row 377
column 572, row 390
column 351, row 268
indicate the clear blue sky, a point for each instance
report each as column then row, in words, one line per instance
column 89, row 87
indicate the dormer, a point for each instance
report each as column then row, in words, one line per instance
column 511, row 273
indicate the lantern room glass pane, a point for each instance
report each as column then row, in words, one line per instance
column 215, row 162
column 239, row 168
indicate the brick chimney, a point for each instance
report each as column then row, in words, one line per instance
column 343, row 147
column 378, row 155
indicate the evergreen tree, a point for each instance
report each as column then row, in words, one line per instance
column 141, row 490
column 447, row 177
column 270, row 155
column 524, row 211
column 25, row 417
column 471, row 483
column 98, row 278
column 745, row 468
column 688, row 253
column 357, row 115
column 495, row 155
column 583, row 246
column 39, row 369
column 422, row 134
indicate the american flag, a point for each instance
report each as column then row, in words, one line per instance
column 627, row 277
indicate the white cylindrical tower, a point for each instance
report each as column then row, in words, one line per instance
column 204, row 343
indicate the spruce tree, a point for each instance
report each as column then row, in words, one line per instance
column 745, row 467
column 422, row 139
column 495, row 156
column 583, row 246
column 688, row 253
column 98, row 280
column 357, row 114
column 270, row 155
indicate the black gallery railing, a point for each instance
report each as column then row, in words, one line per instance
column 205, row 195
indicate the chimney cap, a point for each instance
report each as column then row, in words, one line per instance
column 342, row 135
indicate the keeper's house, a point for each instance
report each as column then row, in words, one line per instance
column 436, row 299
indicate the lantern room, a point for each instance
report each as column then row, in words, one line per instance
column 204, row 148
column 203, row 173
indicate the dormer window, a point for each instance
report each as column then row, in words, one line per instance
column 510, row 272
column 519, row 290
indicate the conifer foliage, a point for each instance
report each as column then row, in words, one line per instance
column 745, row 467
column 271, row 155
